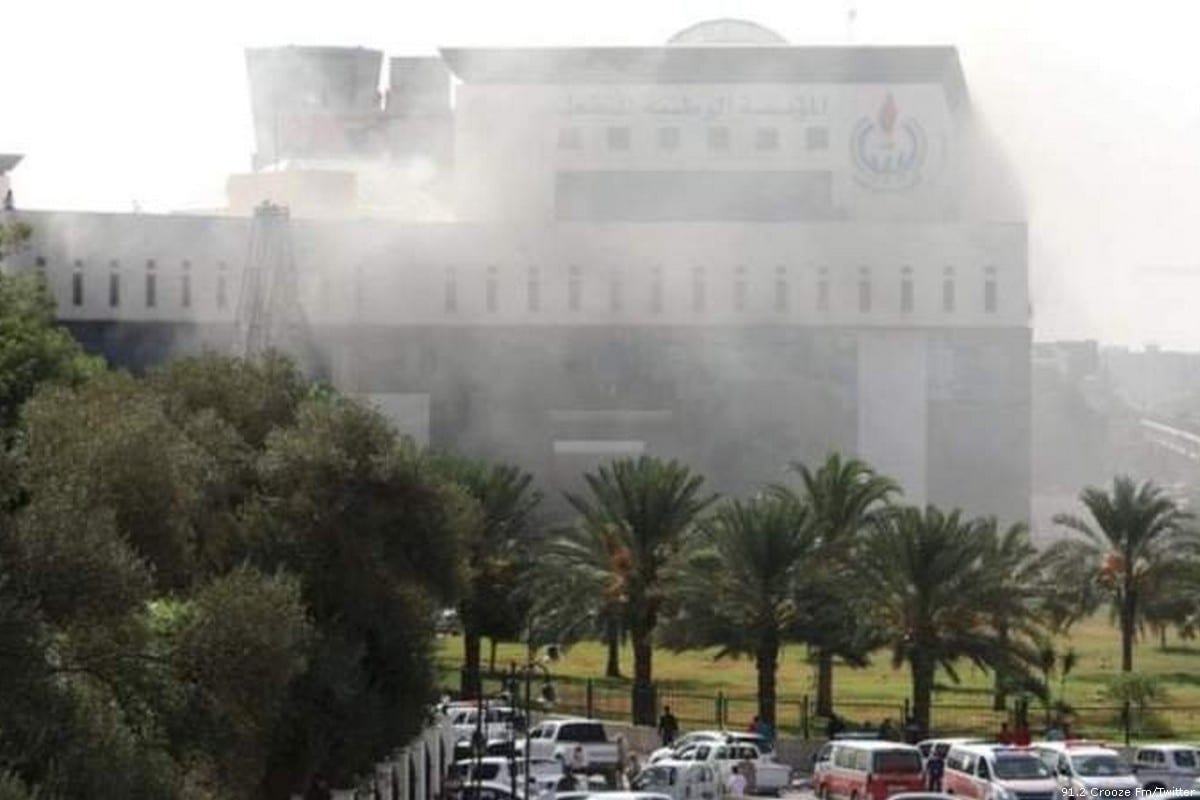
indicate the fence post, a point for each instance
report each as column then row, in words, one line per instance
column 1125, row 718
column 804, row 717
column 590, row 708
column 904, row 712
column 720, row 702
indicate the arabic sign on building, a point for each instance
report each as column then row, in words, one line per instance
column 800, row 105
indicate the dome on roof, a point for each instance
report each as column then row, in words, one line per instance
column 727, row 31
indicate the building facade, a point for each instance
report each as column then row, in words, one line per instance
column 728, row 249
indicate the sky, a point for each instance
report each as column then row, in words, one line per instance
column 1095, row 105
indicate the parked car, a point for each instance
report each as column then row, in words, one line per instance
column 993, row 772
column 695, row 737
column 498, row 722
column 543, row 775
column 1167, row 766
column 763, row 774
column 558, row 738
column 680, row 780
column 859, row 770
column 1084, row 768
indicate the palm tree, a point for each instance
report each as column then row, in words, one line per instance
column 1136, row 534
column 936, row 598
column 580, row 590
column 492, row 559
column 843, row 495
column 1015, row 567
column 646, row 506
column 737, row 591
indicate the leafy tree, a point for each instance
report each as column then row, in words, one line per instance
column 936, row 597
column 647, row 506
column 33, row 350
column 844, row 496
column 1136, row 538
column 493, row 557
column 738, row 587
column 13, row 237
column 370, row 531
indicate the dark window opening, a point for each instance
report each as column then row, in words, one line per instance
column 151, row 290
column 77, row 285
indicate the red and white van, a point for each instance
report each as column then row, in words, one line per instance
column 867, row 770
column 998, row 772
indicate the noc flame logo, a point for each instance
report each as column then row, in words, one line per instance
column 889, row 151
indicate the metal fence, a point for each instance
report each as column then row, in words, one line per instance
column 796, row 716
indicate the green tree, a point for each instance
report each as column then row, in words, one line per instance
column 936, row 596
column 844, row 496
column 370, row 530
column 738, row 586
column 33, row 349
column 1137, row 535
column 648, row 505
column 493, row 556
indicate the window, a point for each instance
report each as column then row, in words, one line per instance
column 151, row 284
column 823, row 289
column 906, row 290
column 1185, row 759
column 698, row 290
column 781, row 290
column 451, row 294
column 989, row 290
column 186, row 298
column 618, row 138
column 656, row 290
column 766, row 139
column 739, row 289
column 222, row 285
column 816, row 138
column 983, row 770
column 570, row 138
column 718, row 138
column 534, row 290
column 574, row 289
column 864, row 290
column 668, row 138
column 77, row 284
column 616, row 297
column 948, row 290
column 493, row 291
column 114, row 284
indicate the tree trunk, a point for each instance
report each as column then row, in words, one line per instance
column 824, row 683
column 922, row 689
column 1162, row 638
column 471, row 686
column 1128, row 618
column 767, row 661
column 643, row 689
column 612, row 636
column 492, row 655
column 1000, row 675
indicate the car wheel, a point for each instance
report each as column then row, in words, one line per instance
column 823, row 792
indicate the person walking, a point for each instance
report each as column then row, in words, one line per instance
column 668, row 727
column 736, row 784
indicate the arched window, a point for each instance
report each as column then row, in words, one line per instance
column 864, row 290
column 906, row 290
column 151, row 284
column 114, row 283
column 77, row 284
column 185, row 298
column 698, row 297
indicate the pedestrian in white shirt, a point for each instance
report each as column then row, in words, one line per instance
column 736, row 784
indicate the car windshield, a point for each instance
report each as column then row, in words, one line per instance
column 1023, row 767
column 1101, row 766
column 895, row 761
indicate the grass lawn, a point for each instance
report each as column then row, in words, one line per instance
column 878, row 691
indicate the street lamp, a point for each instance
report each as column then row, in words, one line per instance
column 548, row 698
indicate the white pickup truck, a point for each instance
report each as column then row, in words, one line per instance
column 558, row 739
column 1167, row 766
column 764, row 775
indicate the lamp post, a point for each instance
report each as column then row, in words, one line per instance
column 548, row 697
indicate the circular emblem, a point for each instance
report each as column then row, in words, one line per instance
column 888, row 150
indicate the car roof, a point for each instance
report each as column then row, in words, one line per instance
column 1170, row 746
column 955, row 740
column 994, row 749
column 874, row 744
